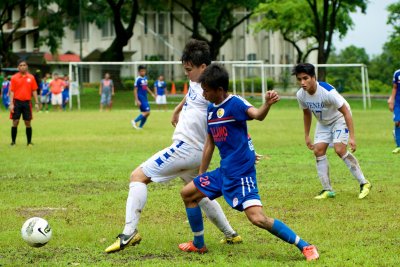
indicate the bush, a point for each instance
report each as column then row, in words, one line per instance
column 377, row 86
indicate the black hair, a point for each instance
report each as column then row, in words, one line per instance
column 196, row 52
column 215, row 76
column 306, row 68
column 141, row 67
column 21, row 60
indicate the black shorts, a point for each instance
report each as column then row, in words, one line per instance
column 22, row 107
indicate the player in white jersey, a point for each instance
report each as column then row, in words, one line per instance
column 181, row 159
column 334, row 126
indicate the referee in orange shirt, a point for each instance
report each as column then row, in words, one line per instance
column 23, row 86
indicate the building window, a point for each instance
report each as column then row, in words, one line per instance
column 171, row 23
column 85, row 31
column 161, row 23
column 36, row 39
column 23, row 43
column 145, row 23
column 108, row 30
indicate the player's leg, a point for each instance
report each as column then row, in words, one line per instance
column 322, row 139
column 15, row 116
column 396, row 119
column 191, row 197
column 257, row 217
column 146, row 114
column 322, row 166
column 340, row 141
column 137, row 198
column 27, row 117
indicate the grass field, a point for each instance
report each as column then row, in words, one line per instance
column 76, row 177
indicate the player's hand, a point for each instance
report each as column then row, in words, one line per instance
column 353, row 145
column 138, row 103
column 271, row 97
column 258, row 157
column 309, row 144
column 175, row 119
column 37, row 107
column 11, row 107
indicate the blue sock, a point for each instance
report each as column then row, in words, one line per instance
column 196, row 224
column 397, row 135
column 282, row 231
column 143, row 121
column 138, row 118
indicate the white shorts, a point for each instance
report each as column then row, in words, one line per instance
column 56, row 99
column 336, row 132
column 178, row 160
column 161, row 99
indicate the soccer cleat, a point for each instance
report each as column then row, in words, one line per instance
column 124, row 241
column 325, row 194
column 396, row 150
column 30, row 145
column 311, row 253
column 134, row 125
column 12, row 144
column 189, row 247
column 364, row 190
column 235, row 239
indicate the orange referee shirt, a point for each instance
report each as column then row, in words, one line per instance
column 22, row 86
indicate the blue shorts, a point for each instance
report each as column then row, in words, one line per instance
column 396, row 112
column 144, row 106
column 239, row 192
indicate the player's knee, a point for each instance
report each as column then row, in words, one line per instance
column 397, row 124
column 138, row 176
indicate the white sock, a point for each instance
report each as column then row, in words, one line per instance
column 215, row 214
column 137, row 198
column 354, row 167
column 323, row 172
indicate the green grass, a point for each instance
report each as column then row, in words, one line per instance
column 80, row 166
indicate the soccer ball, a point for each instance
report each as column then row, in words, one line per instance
column 36, row 232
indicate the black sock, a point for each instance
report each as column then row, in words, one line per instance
column 29, row 134
column 13, row 134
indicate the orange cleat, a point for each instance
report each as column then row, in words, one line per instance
column 311, row 253
column 190, row 247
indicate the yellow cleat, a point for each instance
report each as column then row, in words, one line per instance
column 364, row 190
column 325, row 194
column 236, row 239
column 124, row 241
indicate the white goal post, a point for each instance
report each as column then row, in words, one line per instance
column 275, row 70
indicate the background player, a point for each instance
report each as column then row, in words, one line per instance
column 106, row 91
column 5, row 88
column 394, row 106
column 235, row 179
column 140, row 93
column 181, row 159
column 22, row 87
column 334, row 125
column 160, row 90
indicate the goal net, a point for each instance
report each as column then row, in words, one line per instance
column 86, row 75
column 255, row 79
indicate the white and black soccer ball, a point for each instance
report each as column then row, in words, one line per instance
column 36, row 232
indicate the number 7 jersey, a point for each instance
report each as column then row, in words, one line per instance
column 324, row 103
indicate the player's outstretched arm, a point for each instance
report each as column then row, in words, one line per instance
column 271, row 97
column 349, row 122
column 207, row 154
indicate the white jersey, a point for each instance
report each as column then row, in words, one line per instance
column 324, row 103
column 192, row 124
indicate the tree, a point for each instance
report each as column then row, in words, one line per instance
column 214, row 21
column 313, row 20
column 45, row 19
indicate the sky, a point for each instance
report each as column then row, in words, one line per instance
column 370, row 30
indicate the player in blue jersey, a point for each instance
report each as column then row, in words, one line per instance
column 394, row 106
column 235, row 179
column 334, row 126
column 65, row 93
column 140, row 93
column 160, row 90
column 45, row 92
column 5, row 88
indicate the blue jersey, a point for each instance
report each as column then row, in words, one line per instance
column 160, row 85
column 228, row 127
column 141, row 85
column 44, row 85
column 5, row 88
column 396, row 80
